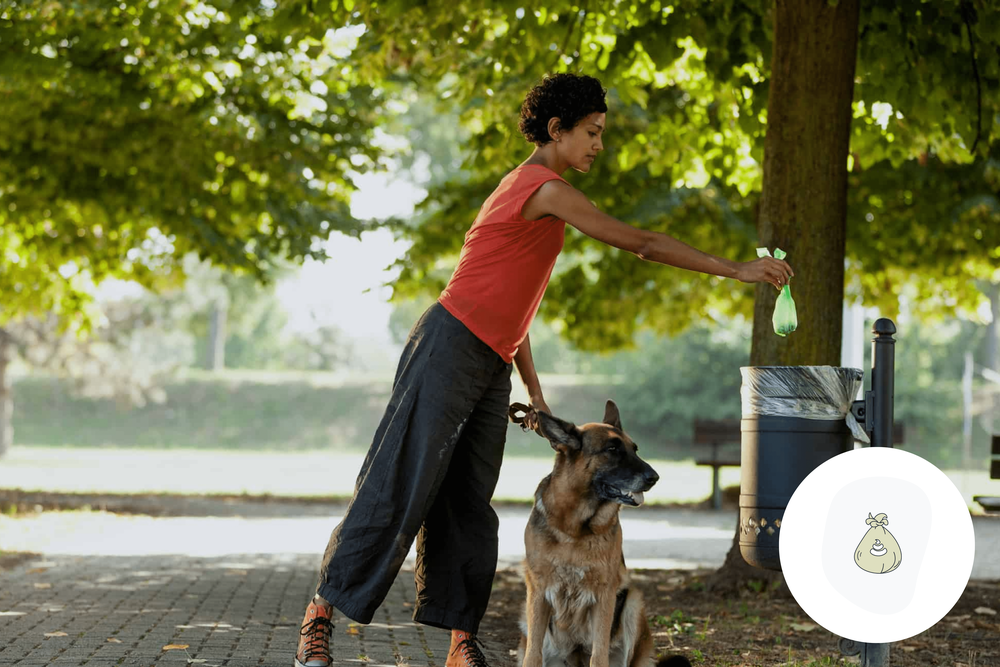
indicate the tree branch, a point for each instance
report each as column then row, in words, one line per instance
column 569, row 33
column 968, row 13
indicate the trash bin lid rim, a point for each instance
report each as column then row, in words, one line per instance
column 792, row 424
column 839, row 368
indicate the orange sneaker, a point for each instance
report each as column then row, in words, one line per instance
column 314, row 637
column 466, row 652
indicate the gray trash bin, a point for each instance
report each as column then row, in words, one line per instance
column 794, row 419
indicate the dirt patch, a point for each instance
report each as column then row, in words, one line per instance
column 17, row 501
column 761, row 628
column 11, row 560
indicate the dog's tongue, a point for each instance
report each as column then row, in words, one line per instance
column 637, row 497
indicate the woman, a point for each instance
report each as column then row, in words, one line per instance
column 433, row 465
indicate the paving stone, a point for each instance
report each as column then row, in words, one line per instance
column 228, row 615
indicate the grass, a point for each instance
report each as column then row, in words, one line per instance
column 224, row 412
column 258, row 411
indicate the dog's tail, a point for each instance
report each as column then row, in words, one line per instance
column 673, row 661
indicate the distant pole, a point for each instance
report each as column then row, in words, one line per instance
column 852, row 347
column 6, row 393
column 992, row 360
column 967, row 412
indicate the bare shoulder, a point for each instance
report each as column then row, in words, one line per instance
column 545, row 201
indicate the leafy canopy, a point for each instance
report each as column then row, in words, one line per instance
column 132, row 134
column 688, row 85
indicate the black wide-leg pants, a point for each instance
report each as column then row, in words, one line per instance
column 429, row 475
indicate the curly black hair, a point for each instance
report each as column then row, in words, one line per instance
column 568, row 97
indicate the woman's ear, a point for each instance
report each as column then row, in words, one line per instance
column 555, row 129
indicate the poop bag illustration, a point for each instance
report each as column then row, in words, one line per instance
column 878, row 551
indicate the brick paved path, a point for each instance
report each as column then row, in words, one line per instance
column 240, row 611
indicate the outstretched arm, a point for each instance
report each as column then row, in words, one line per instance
column 569, row 204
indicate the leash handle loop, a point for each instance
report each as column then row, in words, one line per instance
column 514, row 409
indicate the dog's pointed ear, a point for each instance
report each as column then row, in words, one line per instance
column 562, row 435
column 611, row 416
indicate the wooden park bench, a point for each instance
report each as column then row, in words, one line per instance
column 721, row 432
column 718, row 433
column 992, row 503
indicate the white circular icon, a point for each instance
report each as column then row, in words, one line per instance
column 876, row 545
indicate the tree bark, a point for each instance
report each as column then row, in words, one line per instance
column 803, row 206
column 6, row 394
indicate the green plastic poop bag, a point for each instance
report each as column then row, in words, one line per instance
column 784, row 318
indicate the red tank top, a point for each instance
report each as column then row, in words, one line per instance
column 505, row 264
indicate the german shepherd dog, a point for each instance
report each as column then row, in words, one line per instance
column 580, row 610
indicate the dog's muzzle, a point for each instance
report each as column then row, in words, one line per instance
column 631, row 498
column 628, row 492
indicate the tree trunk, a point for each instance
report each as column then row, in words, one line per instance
column 216, row 360
column 991, row 357
column 6, row 394
column 803, row 207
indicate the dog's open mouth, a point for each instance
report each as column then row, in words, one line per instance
column 635, row 498
column 631, row 498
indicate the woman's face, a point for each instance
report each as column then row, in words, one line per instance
column 579, row 147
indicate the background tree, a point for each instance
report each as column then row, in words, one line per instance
column 130, row 349
column 689, row 100
column 325, row 347
column 135, row 134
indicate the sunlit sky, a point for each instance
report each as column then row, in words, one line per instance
column 347, row 288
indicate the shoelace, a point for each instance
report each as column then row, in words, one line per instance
column 318, row 631
column 473, row 655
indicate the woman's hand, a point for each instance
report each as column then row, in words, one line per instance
column 765, row 270
column 531, row 419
